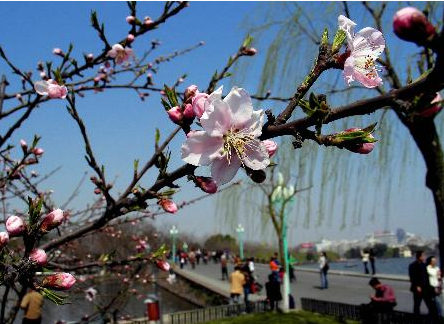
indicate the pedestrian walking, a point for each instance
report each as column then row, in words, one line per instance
column 383, row 301
column 435, row 282
column 420, row 286
column 323, row 267
column 32, row 304
column 237, row 282
column 372, row 258
column 249, row 282
column 365, row 258
column 192, row 258
column 224, row 266
column 273, row 290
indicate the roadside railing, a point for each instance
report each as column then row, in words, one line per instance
column 353, row 312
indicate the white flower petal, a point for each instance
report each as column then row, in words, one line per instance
column 256, row 155
column 368, row 41
column 217, row 120
column 255, row 123
column 216, row 95
column 240, row 104
column 222, row 172
column 41, row 87
column 348, row 26
column 201, row 149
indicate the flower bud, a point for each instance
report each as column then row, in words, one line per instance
column 130, row 38
column 15, row 225
column 38, row 256
column 249, row 51
column 207, row 184
column 190, row 92
column 257, row 176
column 271, row 147
column 90, row 57
column 52, row 220
column 188, row 112
column 58, row 51
column 97, row 191
column 24, row 145
column 130, row 19
column 361, row 148
column 198, row 103
column 168, row 205
column 175, row 114
column 61, row 281
column 147, row 21
column 163, row 265
column 434, row 109
column 280, row 179
column 4, row 239
column 38, row 151
column 411, row 25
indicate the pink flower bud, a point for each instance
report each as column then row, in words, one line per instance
column 410, row 24
column 188, row 112
column 52, row 220
column 38, row 256
column 147, row 21
column 198, row 103
column 207, row 184
column 38, row 151
column 175, row 114
column 163, row 265
column 190, row 92
column 363, row 148
column 57, row 51
column 15, row 225
column 97, row 191
column 18, row 96
column 61, row 281
column 43, row 74
column 4, row 239
column 90, row 57
column 168, row 205
column 249, row 51
column 130, row 19
column 23, row 144
column 271, row 147
column 130, row 38
column 432, row 111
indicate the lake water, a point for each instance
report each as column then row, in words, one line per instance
column 133, row 306
column 397, row 266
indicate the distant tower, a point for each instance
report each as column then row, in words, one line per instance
column 400, row 235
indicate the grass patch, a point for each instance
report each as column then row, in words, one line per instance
column 300, row 317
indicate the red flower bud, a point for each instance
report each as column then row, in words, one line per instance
column 411, row 24
column 207, row 184
column 168, row 205
column 38, row 256
column 363, row 148
column 163, row 265
column 175, row 114
column 52, row 220
column 61, row 281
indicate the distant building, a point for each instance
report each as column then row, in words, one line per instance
column 385, row 237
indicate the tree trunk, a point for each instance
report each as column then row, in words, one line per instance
column 426, row 137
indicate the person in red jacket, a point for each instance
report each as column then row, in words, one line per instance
column 383, row 301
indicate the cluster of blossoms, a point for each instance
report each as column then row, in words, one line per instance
column 230, row 136
column 51, row 89
column 16, row 226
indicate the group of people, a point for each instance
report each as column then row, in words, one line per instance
column 242, row 280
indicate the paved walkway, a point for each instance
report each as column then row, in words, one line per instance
column 345, row 288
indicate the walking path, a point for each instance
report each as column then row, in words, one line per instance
column 344, row 286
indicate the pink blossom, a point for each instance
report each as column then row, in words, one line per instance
column 175, row 114
column 23, row 144
column 434, row 109
column 130, row 19
column 38, row 151
column 188, row 111
column 163, row 265
column 365, row 47
column 363, row 148
column 249, row 51
column 58, row 51
column 271, row 147
column 4, row 239
column 52, row 220
column 60, row 280
column 120, row 54
column 90, row 57
column 410, row 24
column 198, row 103
column 51, row 89
column 147, row 21
column 190, row 92
column 207, row 184
column 230, row 136
column 130, row 38
column 38, row 256
column 15, row 225
column 168, row 205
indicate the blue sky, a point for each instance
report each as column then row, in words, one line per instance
column 122, row 127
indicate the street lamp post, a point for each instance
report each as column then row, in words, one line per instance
column 280, row 194
column 173, row 232
column 240, row 231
